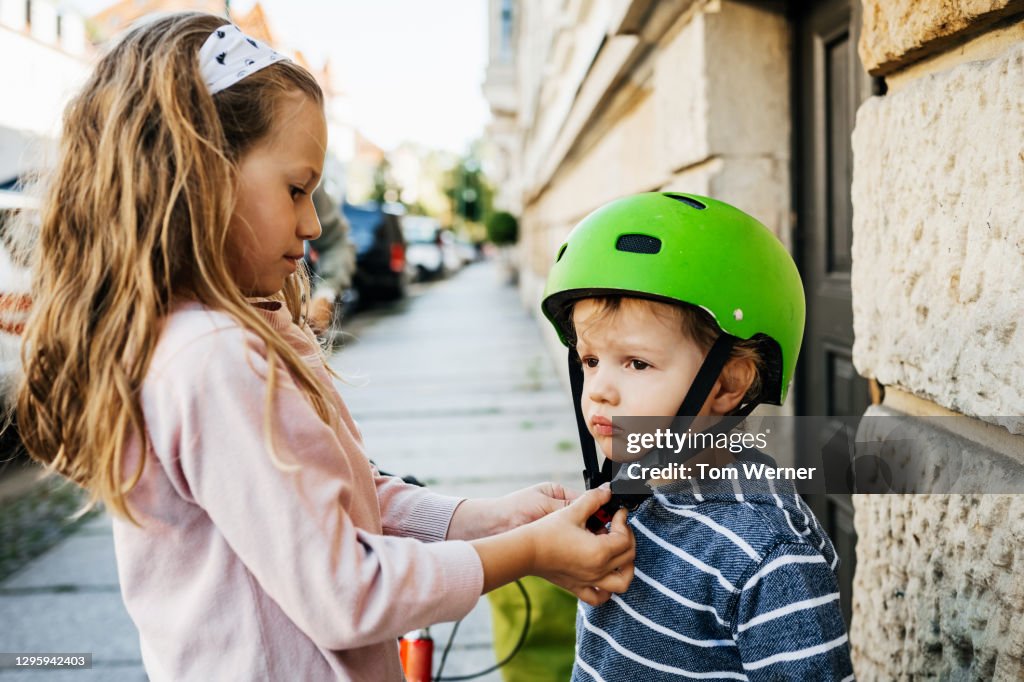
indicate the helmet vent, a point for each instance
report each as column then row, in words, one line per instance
column 638, row 243
column 692, row 203
column 561, row 251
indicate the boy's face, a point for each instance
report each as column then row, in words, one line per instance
column 637, row 362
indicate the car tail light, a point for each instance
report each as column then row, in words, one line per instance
column 397, row 257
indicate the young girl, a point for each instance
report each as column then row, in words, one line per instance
column 168, row 371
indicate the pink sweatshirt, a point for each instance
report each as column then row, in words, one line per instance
column 242, row 571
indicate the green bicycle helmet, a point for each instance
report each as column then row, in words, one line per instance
column 687, row 248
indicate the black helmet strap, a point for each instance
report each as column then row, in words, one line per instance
column 707, row 375
column 591, row 471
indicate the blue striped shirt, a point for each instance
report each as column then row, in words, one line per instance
column 726, row 586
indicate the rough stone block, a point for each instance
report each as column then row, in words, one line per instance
column 898, row 32
column 748, row 89
column 714, row 100
column 938, row 587
column 938, row 247
column 680, row 93
column 939, row 581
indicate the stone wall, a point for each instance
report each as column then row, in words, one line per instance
column 938, row 246
column 938, row 271
column 696, row 115
column 938, row 588
column 896, row 33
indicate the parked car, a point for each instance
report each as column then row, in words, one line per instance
column 331, row 258
column 376, row 231
column 468, row 251
column 432, row 251
column 15, row 283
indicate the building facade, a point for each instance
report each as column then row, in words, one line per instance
column 343, row 159
column 46, row 54
column 880, row 140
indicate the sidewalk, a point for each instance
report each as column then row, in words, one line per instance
column 68, row 601
column 451, row 385
column 461, row 393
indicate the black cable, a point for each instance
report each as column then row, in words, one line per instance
column 515, row 650
column 447, row 648
column 451, row 638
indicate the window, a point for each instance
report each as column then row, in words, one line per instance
column 505, row 51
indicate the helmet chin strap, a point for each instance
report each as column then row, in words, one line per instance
column 706, row 377
column 700, row 389
column 591, row 472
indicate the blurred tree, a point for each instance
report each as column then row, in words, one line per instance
column 470, row 193
column 502, row 228
column 385, row 188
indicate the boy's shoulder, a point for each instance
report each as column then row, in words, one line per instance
column 733, row 534
column 751, row 516
column 750, row 525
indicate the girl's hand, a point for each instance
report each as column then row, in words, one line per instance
column 590, row 566
column 529, row 504
column 559, row 548
column 480, row 518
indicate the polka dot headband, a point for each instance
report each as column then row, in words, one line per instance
column 229, row 55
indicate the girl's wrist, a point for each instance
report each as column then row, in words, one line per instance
column 474, row 519
column 507, row 556
column 527, row 538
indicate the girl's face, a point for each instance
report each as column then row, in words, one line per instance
column 636, row 363
column 274, row 212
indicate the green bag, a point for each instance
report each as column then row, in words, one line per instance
column 549, row 649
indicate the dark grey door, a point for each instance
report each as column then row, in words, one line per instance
column 830, row 83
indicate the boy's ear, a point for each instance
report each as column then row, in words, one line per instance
column 734, row 382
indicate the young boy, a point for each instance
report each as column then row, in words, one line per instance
column 678, row 304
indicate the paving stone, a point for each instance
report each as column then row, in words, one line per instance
column 84, row 560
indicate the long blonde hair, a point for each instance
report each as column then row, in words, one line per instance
column 135, row 218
